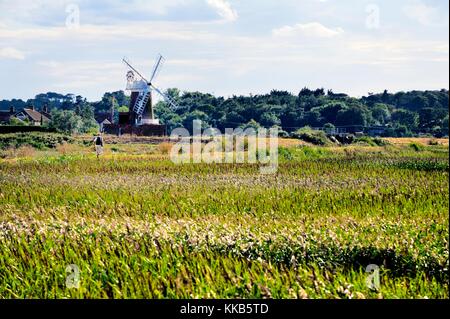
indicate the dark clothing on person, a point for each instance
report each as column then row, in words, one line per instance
column 99, row 141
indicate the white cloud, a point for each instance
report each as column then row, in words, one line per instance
column 80, row 75
column 206, row 64
column 425, row 15
column 152, row 6
column 11, row 53
column 31, row 10
column 313, row 29
column 224, row 9
column 146, row 30
column 26, row 10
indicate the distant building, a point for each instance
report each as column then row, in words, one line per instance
column 32, row 116
column 5, row 116
column 46, row 112
column 376, row 130
column 103, row 118
column 104, row 122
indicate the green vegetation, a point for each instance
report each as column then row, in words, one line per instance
column 401, row 114
column 371, row 141
column 14, row 121
column 139, row 226
column 314, row 137
column 70, row 122
column 417, row 147
column 36, row 140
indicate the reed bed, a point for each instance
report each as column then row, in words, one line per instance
column 138, row 226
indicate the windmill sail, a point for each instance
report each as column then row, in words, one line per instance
column 141, row 90
column 167, row 98
column 157, row 67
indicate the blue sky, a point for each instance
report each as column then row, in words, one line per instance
column 224, row 47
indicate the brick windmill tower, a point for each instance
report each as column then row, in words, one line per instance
column 141, row 113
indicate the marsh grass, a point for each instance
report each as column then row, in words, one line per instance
column 139, row 226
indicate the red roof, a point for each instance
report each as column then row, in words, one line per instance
column 34, row 115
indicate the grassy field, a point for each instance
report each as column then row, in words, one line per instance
column 138, row 226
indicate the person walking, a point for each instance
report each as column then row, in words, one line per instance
column 98, row 140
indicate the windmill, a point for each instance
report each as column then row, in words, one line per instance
column 141, row 105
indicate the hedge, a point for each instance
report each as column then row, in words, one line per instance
column 6, row 129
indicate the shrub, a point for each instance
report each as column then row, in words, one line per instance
column 365, row 140
column 285, row 153
column 14, row 121
column 311, row 136
column 381, row 142
column 433, row 142
column 283, row 134
column 313, row 152
column 417, row 147
column 35, row 139
column 329, row 128
column 372, row 141
column 10, row 129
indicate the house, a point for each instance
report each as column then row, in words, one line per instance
column 46, row 112
column 377, row 130
column 5, row 116
column 32, row 116
column 103, row 118
column 104, row 122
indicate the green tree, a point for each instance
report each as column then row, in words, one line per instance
column 430, row 117
column 406, row 118
column 445, row 126
column 313, row 118
column 232, row 119
column 189, row 118
column 329, row 112
column 354, row 115
column 251, row 124
column 329, row 128
column 173, row 121
column 381, row 113
column 269, row 120
column 89, row 126
column 66, row 121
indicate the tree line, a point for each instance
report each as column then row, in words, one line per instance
column 401, row 114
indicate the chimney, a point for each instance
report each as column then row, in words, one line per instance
column 32, row 106
column 45, row 109
column 11, row 109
